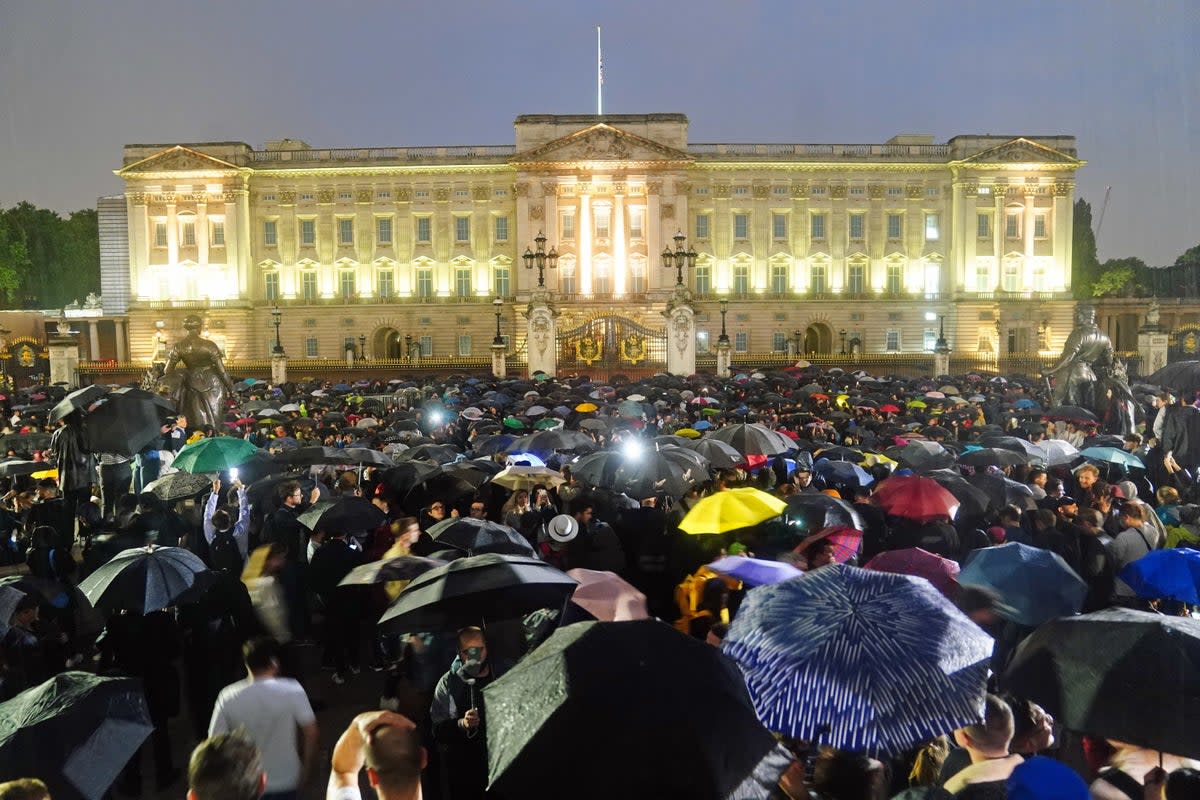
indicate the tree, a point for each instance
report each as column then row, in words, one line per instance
column 61, row 256
column 1190, row 257
column 1119, row 277
column 1085, row 263
column 14, row 263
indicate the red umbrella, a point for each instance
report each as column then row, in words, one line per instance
column 889, row 408
column 845, row 542
column 941, row 572
column 915, row 497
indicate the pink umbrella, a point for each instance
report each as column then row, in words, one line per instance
column 607, row 597
column 845, row 541
column 941, row 572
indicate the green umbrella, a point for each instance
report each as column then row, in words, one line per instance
column 214, row 455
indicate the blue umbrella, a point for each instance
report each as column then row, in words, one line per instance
column 1036, row 585
column 842, row 472
column 755, row 571
column 1166, row 574
column 1112, row 455
column 859, row 660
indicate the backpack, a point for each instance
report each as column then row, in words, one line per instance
column 224, row 553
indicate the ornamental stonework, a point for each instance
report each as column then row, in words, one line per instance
column 550, row 188
column 522, row 189
column 683, row 187
column 838, row 191
column 721, row 191
column 970, row 189
column 481, row 193
column 800, row 191
column 619, row 188
column 1063, row 188
column 138, row 198
column 914, row 191
column 762, row 191
column 668, row 211
column 875, row 191
column 442, row 194
column 287, row 197
column 325, row 195
column 403, row 194
column 536, row 212
column 654, row 187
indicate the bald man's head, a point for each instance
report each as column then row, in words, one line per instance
column 395, row 758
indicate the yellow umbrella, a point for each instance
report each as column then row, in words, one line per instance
column 46, row 473
column 587, row 408
column 871, row 459
column 842, row 401
column 688, row 433
column 916, row 404
column 730, row 510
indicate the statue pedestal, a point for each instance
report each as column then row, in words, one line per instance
column 279, row 362
column 64, row 362
column 941, row 359
column 681, row 334
column 541, row 335
column 724, row 357
column 1152, row 347
column 499, row 360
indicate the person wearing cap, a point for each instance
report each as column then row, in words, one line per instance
column 560, row 532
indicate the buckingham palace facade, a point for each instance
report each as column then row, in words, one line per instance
column 389, row 251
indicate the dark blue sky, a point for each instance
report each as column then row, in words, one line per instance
column 78, row 79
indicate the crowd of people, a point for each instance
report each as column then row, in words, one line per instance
column 234, row 658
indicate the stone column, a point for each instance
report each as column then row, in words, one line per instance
column 64, row 355
column 681, row 334
column 724, row 357
column 500, row 360
column 618, row 248
column 93, row 340
column 1152, row 342
column 279, row 365
column 583, row 235
column 1061, row 220
column 122, row 344
column 541, row 336
column 1000, row 229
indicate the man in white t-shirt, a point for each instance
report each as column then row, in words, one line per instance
column 267, row 708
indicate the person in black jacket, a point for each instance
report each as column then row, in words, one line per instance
column 332, row 562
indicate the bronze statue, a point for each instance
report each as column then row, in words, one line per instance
column 1087, row 346
column 203, row 385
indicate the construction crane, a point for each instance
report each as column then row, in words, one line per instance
column 1103, row 208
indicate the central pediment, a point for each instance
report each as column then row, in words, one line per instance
column 178, row 159
column 601, row 142
column 1022, row 150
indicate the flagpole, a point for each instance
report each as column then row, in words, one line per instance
column 599, row 76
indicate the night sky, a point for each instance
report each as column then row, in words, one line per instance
column 80, row 79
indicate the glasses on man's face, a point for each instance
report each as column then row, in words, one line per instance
column 438, row 507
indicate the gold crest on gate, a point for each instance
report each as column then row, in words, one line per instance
column 633, row 348
column 588, row 349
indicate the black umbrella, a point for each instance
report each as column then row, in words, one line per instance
column 478, row 536
column 816, row 511
column 1017, row 445
column 347, row 514
column 367, row 457
column 165, row 407
column 400, row 568
column 178, row 485
column 14, row 467
column 993, row 457
column 1182, row 377
column 549, row 441
column 26, row 443
column 76, row 401
column 401, row 478
column 1003, row 492
column 435, row 453
column 719, row 454
column 973, row 501
column 143, row 579
column 921, row 455
column 753, row 439
column 1119, row 674
column 636, row 694
column 477, row 589
column 1071, row 414
column 75, row 732
column 124, row 424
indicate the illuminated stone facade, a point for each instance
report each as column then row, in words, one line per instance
column 816, row 246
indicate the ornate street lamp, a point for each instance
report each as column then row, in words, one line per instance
column 276, row 318
column 541, row 259
column 679, row 258
column 724, row 337
column 498, row 307
column 941, row 345
column 842, row 334
column 362, row 347
column 407, row 346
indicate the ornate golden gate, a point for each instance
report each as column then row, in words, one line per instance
column 608, row 344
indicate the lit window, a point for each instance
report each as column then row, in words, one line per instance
column 701, row 190
column 818, row 279
column 818, row 226
column 857, row 191
column 983, row 226
column 983, row 276
column 818, row 190
column 217, row 235
column 1039, row 226
column 461, row 193
column 603, row 221
column 637, row 275
column 424, row 282
column 160, row 234
column 779, row 342
column 702, row 226
column 383, row 230
column 741, row 226
column 779, row 191
column 895, row 224
column 566, row 275
column 929, row 340
column 892, row 340
column 501, row 227
column 311, row 349
column 985, row 190
column 602, row 276
column 702, row 279
column 308, row 284
column 856, row 226
column 856, row 279
column 894, row 279
column 271, row 285
column 464, row 344
column 741, row 191
column 421, row 193
column 779, row 278
column 931, row 227
column 568, row 226
column 636, row 223
column 1011, row 279
column 502, row 282
column 345, row 231
column 308, row 232
column 779, row 226
column 702, row 342
column 346, row 283
column 306, row 196
column 345, row 196
column 268, row 198
column 423, row 230
column 462, row 281
column 384, row 195
column 1012, row 225
column 386, row 283
column 269, row 233
column 741, row 342
column 741, row 278
column 895, row 191
column 462, row 229
column 931, row 191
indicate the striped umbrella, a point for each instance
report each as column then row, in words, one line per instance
column 859, row 660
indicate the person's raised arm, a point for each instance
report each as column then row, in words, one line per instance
column 210, row 508
column 348, row 757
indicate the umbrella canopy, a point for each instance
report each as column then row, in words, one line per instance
column 1071, row 414
column 1112, row 455
column 214, row 455
column 921, row 455
column 1059, row 452
column 1036, row 585
column 9, row 597
column 842, row 473
column 753, row 439
column 124, row 424
column 730, row 510
column 915, row 497
column 516, row 477
column 607, row 597
column 816, row 511
column 993, row 457
column 754, row 571
column 719, row 454
column 1165, row 575
column 478, row 536
column 401, row 478
column 75, row 732
column 1182, row 377
column 846, row 542
column 1118, row 673
column 400, row 568
column 859, row 660
column 76, row 401
column 545, row 442
column 973, row 502
column 1002, row 491
column 142, row 579
column 178, row 485
column 661, row 698
column 941, row 572
column 477, row 589
column 347, row 514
